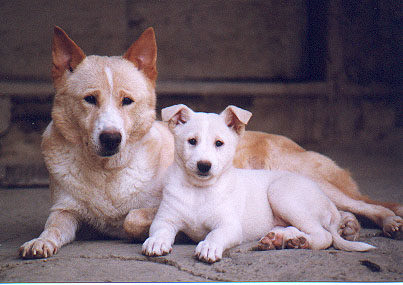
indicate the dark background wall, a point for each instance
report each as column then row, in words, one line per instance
column 324, row 73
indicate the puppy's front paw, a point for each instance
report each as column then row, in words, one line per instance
column 156, row 247
column 38, row 248
column 208, row 252
column 393, row 227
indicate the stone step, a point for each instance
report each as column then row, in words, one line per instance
column 23, row 175
column 170, row 87
column 310, row 113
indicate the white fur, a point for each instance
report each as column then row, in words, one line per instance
column 109, row 76
column 229, row 206
column 110, row 120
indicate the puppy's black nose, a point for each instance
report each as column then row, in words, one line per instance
column 110, row 141
column 204, row 166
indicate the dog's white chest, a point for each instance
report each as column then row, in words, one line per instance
column 199, row 210
column 201, row 217
column 242, row 202
column 103, row 198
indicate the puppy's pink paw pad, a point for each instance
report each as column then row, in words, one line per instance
column 271, row 241
column 296, row 243
column 265, row 244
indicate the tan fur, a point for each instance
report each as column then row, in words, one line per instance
column 66, row 55
column 147, row 61
column 89, row 187
column 138, row 221
column 259, row 150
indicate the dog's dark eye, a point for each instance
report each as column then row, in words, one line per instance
column 192, row 141
column 90, row 99
column 219, row 143
column 126, row 101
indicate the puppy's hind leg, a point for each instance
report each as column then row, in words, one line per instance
column 299, row 202
column 323, row 230
column 292, row 238
column 280, row 238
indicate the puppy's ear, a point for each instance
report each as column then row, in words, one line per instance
column 176, row 115
column 143, row 54
column 66, row 55
column 236, row 118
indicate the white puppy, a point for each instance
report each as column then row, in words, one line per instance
column 207, row 198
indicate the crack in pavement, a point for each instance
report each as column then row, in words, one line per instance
column 158, row 260
column 9, row 266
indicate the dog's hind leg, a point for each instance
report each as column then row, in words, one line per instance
column 349, row 227
column 60, row 228
column 396, row 208
column 385, row 218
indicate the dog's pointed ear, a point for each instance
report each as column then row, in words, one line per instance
column 176, row 115
column 66, row 55
column 143, row 54
column 236, row 118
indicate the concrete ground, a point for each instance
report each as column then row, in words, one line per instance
column 24, row 211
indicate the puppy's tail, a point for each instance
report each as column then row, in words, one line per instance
column 342, row 244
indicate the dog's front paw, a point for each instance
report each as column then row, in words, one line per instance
column 156, row 247
column 208, row 252
column 38, row 248
column 393, row 227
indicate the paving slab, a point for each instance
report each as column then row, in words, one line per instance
column 91, row 258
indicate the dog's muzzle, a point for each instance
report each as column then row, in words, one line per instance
column 203, row 168
column 110, row 142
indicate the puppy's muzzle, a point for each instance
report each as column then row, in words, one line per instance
column 110, row 142
column 203, row 167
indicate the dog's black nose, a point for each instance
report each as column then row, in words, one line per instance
column 204, row 166
column 110, row 141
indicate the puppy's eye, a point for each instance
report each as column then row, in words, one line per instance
column 91, row 99
column 126, row 101
column 219, row 143
column 192, row 141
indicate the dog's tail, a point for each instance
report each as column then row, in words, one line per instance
column 342, row 244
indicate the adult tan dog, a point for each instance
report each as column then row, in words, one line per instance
column 105, row 152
